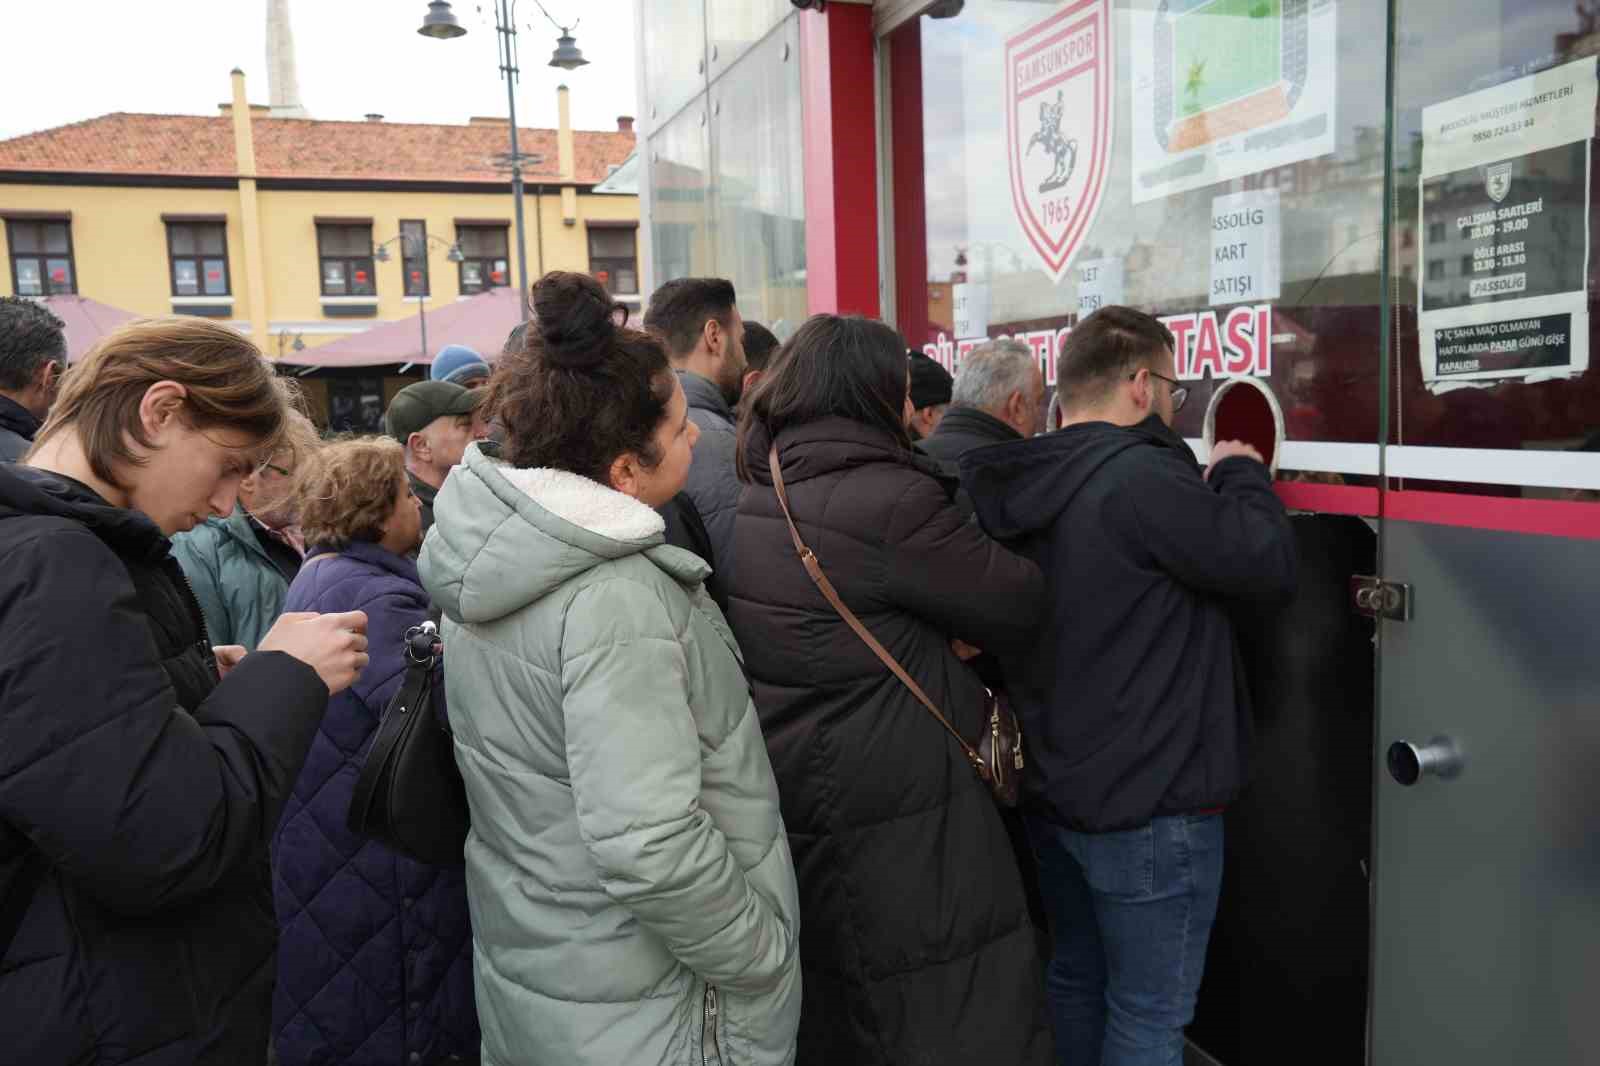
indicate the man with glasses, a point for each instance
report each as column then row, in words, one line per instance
column 1131, row 696
column 241, row 566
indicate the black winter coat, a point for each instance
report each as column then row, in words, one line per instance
column 1133, row 695
column 914, row 936
column 963, row 429
column 148, row 790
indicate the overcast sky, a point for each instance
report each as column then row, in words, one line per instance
column 82, row 58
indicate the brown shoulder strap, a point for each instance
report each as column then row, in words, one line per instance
column 814, row 568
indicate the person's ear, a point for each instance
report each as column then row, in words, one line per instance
column 162, row 407
column 625, row 474
column 750, row 379
column 715, row 336
column 419, row 447
column 1144, row 393
column 48, row 377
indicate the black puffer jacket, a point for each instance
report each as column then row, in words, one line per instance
column 145, row 790
column 915, row 941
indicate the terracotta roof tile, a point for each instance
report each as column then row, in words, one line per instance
column 202, row 146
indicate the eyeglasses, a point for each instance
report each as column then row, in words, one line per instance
column 276, row 469
column 1179, row 392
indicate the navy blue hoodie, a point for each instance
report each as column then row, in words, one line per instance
column 1131, row 694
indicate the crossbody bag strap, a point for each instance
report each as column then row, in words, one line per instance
column 808, row 559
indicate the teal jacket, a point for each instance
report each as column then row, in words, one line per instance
column 632, row 894
column 240, row 589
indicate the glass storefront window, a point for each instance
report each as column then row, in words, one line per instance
column 1217, row 163
column 732, row 26
column 679, row 196
column 759, row 195
column 673, row 40
column 1493, row 186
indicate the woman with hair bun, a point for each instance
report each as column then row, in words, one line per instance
column 632, row 895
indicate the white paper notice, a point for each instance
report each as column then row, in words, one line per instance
column 1100, row 282
column 1504, row 240
column 1225, row 88
column 970, row 306
column 1246, row 248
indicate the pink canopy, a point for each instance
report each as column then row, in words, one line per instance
column 87, row 321
column 480, row 322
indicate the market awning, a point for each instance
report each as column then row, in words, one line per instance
column 87, row 321
column 480, row 322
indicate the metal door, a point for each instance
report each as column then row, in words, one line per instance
column 1486, row 933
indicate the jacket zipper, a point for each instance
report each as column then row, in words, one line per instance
column 710, row 1047
column 199, row 619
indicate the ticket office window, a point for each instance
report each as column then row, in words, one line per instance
column 1220, row 165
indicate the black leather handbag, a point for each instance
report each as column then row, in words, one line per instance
column 410, row 795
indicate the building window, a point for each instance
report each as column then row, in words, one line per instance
column 614, row 259
column 414, row 256
column 1436, row 270
column 198, row 253
column 484, row 264
column 345, row 252
column 1435, row 231
column 1466, row 266
column 41, row 257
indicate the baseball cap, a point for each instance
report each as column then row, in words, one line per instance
column 415, row 406
column 458, row 363
column 931, row 384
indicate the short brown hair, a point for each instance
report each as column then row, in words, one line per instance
column 679, row 309
column 229, row 385
column 346, row 490
column 1110, row 343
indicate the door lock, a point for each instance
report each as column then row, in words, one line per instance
column 1377, row 598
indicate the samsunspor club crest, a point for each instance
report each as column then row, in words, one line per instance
column 1059, row 88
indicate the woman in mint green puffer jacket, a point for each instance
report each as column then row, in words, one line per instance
column 632, row 895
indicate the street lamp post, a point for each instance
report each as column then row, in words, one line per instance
column 380, row 252
column 441, row 24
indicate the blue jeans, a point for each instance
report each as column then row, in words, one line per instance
column 1130, row 913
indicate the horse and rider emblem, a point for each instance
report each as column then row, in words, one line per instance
column 1059, row 89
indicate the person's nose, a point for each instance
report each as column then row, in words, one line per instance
column 222, row 501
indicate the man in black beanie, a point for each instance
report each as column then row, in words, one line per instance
column 931, row 386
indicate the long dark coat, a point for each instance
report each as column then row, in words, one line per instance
column 915, row 940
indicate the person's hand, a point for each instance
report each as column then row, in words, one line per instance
column 964, row 651
column 1229, row 449
column 334, row 645
column 228, row 656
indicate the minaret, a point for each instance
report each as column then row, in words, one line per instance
column 282, row 84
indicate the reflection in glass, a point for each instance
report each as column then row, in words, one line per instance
column 759, row 182
column 673, row 38
column 734, row 25
column 679, row 189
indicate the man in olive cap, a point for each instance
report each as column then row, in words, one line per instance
column 433, row 422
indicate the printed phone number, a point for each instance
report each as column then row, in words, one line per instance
column 1500, row 131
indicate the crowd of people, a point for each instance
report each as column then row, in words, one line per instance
column 671, row 563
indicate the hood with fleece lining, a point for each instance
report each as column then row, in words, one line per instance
column 504, row 538
column 1018, row 488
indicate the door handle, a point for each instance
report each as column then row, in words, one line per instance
column 1408, row 762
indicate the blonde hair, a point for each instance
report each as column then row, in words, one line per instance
column 229, row 385
column 346, row 490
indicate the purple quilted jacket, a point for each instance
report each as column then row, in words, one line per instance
column 375, row 963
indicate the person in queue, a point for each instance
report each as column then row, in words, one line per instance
column 141, row 769
column 760, row 345
column 698, row 321
column 434, row 421
column 633, row 897
column 1132, row 692
column 240, row 566
column 459, row 365
column 931, row 390
column 333, row 887
column 33, row 359
column 915, row 938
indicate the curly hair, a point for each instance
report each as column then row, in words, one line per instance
column 584, row 388
column 30, row 336
column 345, row 490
